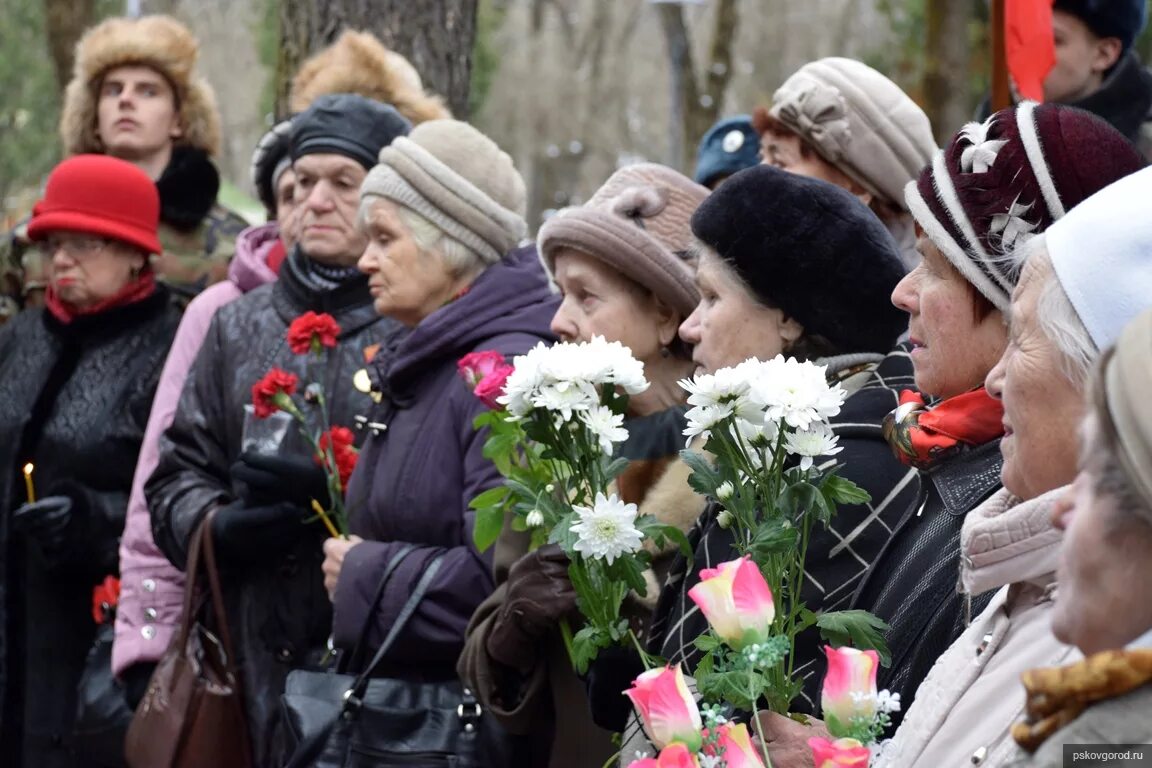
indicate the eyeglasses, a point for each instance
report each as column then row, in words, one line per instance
column 74, row 247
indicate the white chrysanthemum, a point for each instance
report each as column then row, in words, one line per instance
column 704, row 418
column 725, row 490
column 758, row 435
column 819, row 440
column 727, row 385
column 523, row 382
column 564, row 397
column 607, row 426
column 608, row 529
column 624, row 370
column 796, row 393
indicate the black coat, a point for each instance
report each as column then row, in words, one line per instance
column 279, row 613
column 74, row 400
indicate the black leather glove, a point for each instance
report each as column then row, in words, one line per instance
column 539, row 595
column 135, row 681
column 245, row 534
column 48, row 521
column 612, row 671
column 268, row 478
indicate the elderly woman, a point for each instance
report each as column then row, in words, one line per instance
column 842, row 121
column 443, row 212
column 619, row 262
column 1105, row 572
column 962, row 709
column 768, row 287
column 76, row 383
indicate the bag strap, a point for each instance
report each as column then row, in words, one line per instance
column 216, row 592
column 353, row 697
column 362, row 638
column 191, row 570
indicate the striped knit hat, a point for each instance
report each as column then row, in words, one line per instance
column 1007, row 179
column 999, row 182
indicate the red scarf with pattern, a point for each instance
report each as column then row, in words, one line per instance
column 923, row 437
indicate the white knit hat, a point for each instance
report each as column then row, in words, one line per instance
column 860, row 122
column 1102, row 255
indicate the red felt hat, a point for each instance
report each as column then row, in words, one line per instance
column 99, row 195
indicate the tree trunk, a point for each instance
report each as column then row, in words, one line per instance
column 66, row 21
column 437, row 37
column 946, row 66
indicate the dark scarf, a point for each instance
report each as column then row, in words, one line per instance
column 922, row 437
column 1124, row 98
column 188, row 188
column 1057, row 696
column 136, row 291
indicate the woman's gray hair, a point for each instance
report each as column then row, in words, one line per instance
column 459, row 258
column 1057, row 318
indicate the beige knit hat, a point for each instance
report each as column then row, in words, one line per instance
column 458, row 179
column 1127, row 375
column 159, row 42
column 859, row 121
column 637, row 223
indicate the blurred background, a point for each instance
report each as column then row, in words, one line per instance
column 571, row 88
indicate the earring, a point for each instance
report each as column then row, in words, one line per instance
column 665, row 352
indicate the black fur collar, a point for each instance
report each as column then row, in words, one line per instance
column 188, row 188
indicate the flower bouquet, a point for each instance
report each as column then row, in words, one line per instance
column 854, row 712
column 332, row 446
column 765, row 424
column 557, row 416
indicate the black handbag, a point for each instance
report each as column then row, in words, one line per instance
column 102, row 712
column 335, row 720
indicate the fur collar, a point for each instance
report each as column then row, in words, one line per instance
column 188, row 188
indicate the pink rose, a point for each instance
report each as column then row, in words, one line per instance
column 849, row 688
column 475, row 366
column 492, row 386
column 666, row 707
column 672, row 756
column 737, row 602
column 736, row 747
column 842, row 753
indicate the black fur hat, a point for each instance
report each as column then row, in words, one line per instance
column 810, row 249
column 1109, row 18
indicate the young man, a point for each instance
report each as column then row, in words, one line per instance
column 134, row 94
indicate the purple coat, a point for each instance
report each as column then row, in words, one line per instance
column 151, row 588
column 415, row 479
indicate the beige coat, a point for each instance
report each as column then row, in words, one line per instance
column 967, row 704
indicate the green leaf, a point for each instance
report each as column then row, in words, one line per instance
column 490, row 498
column 707, row 642
column 615, row 468
column 839, row 490
column 704, row 478
column 858, row 629
column 487, row 526
column 662, row 533
column 775, row 536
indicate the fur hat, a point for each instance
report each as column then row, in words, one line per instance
column 637, row 223
column 730, row 145
column 859, row 121
column 1001, row 181
column 159, row 42
column 359, row 63
column 458, row 179
column 1124, row 19
column 811, row 249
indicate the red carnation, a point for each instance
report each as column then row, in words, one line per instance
column 339, row 441
column 273, row 392
column 474, row 367
column 310, row 332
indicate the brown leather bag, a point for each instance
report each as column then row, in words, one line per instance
column 192, row 715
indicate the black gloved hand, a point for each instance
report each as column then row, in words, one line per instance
column 612, row 671
column 268, row 478
column 539, row 595
column 135, row 681
column 48, row 521
column 245, row 534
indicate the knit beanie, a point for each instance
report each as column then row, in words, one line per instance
column 158, row 42
column 730, row 145
column 1001, row 181
column 1127, row 380
column 1102, row 255
column 346, row 124
column 811, row 249
column 1124, row 19
column 99, row 195
column 269, row 161
column 859, row 121
column 458, row 179
column 638, row 224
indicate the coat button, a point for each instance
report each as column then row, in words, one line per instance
column 284, row 654
column 149, row 585
column 984, row 645
column 150, row 614
column 979, row 756
column 148, row 632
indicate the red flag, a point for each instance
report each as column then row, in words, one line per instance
column 1031, row 49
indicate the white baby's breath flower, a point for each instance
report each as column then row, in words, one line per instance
column 534, row 519
column 819, row 440
column 607, row 529
column 725, row 490
column 606, row 425
column 888, row 702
